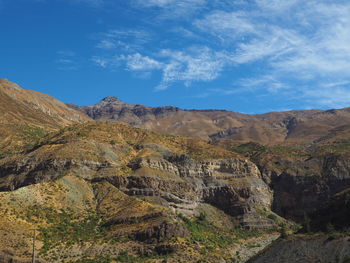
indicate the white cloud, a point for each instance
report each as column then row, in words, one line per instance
column 159, row 3
column 171, row 9
column 102, row 62
column 137, row 62
column 200, row 64
column 107, row 44
column 276, row 5
column 127, row 40
column 94, row 3
column 335, row 97
column 226, row 25
column 67, row 60
column 171, row 3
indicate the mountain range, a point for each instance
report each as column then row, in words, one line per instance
column 304, row 127
column 116, row 182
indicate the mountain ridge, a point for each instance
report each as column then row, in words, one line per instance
column 215, row 125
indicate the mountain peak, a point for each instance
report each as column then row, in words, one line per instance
column 109, row 100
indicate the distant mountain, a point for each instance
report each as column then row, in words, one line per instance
column 271, row 128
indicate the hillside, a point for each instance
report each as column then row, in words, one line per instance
column 27, row 115
column 132, row 189
column 104, row 191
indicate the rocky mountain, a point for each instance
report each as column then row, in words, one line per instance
column 104, row 191
column 271, row 128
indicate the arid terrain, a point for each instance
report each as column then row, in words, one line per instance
column 115, row 182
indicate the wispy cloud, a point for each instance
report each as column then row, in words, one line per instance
column 200, row 64
column 314, row 49
column 276, row 5
column 66, row 60
column 171, row 9
column 93, row 3
column 101, row 61
column 287, row 44
column 126, row 40
column 336, row 97
column 197, row 64
column 137, row 62
column 227, row 25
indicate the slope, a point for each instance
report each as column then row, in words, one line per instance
column 102, row 191
column 27, row 115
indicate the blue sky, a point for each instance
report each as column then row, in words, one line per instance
column 249, row 56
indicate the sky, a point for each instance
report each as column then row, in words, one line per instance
column 250, row 56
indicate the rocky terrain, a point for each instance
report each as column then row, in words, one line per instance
column 100, row 191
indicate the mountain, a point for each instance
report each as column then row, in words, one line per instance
column 96, row 191
column 26, row 115
column 34, row 100
column 302, row 127
column 106, row 191
column 111, row 184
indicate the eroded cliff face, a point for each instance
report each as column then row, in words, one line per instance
column 309, row 185
column 181, row 183
column 303, row 179
column 174, row 181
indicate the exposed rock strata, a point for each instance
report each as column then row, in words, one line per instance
column 176, row 181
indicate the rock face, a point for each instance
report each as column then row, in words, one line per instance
column 175, row 181
column 309, row 185
column 233, row 186
column 113, row 109
column 307, row 250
